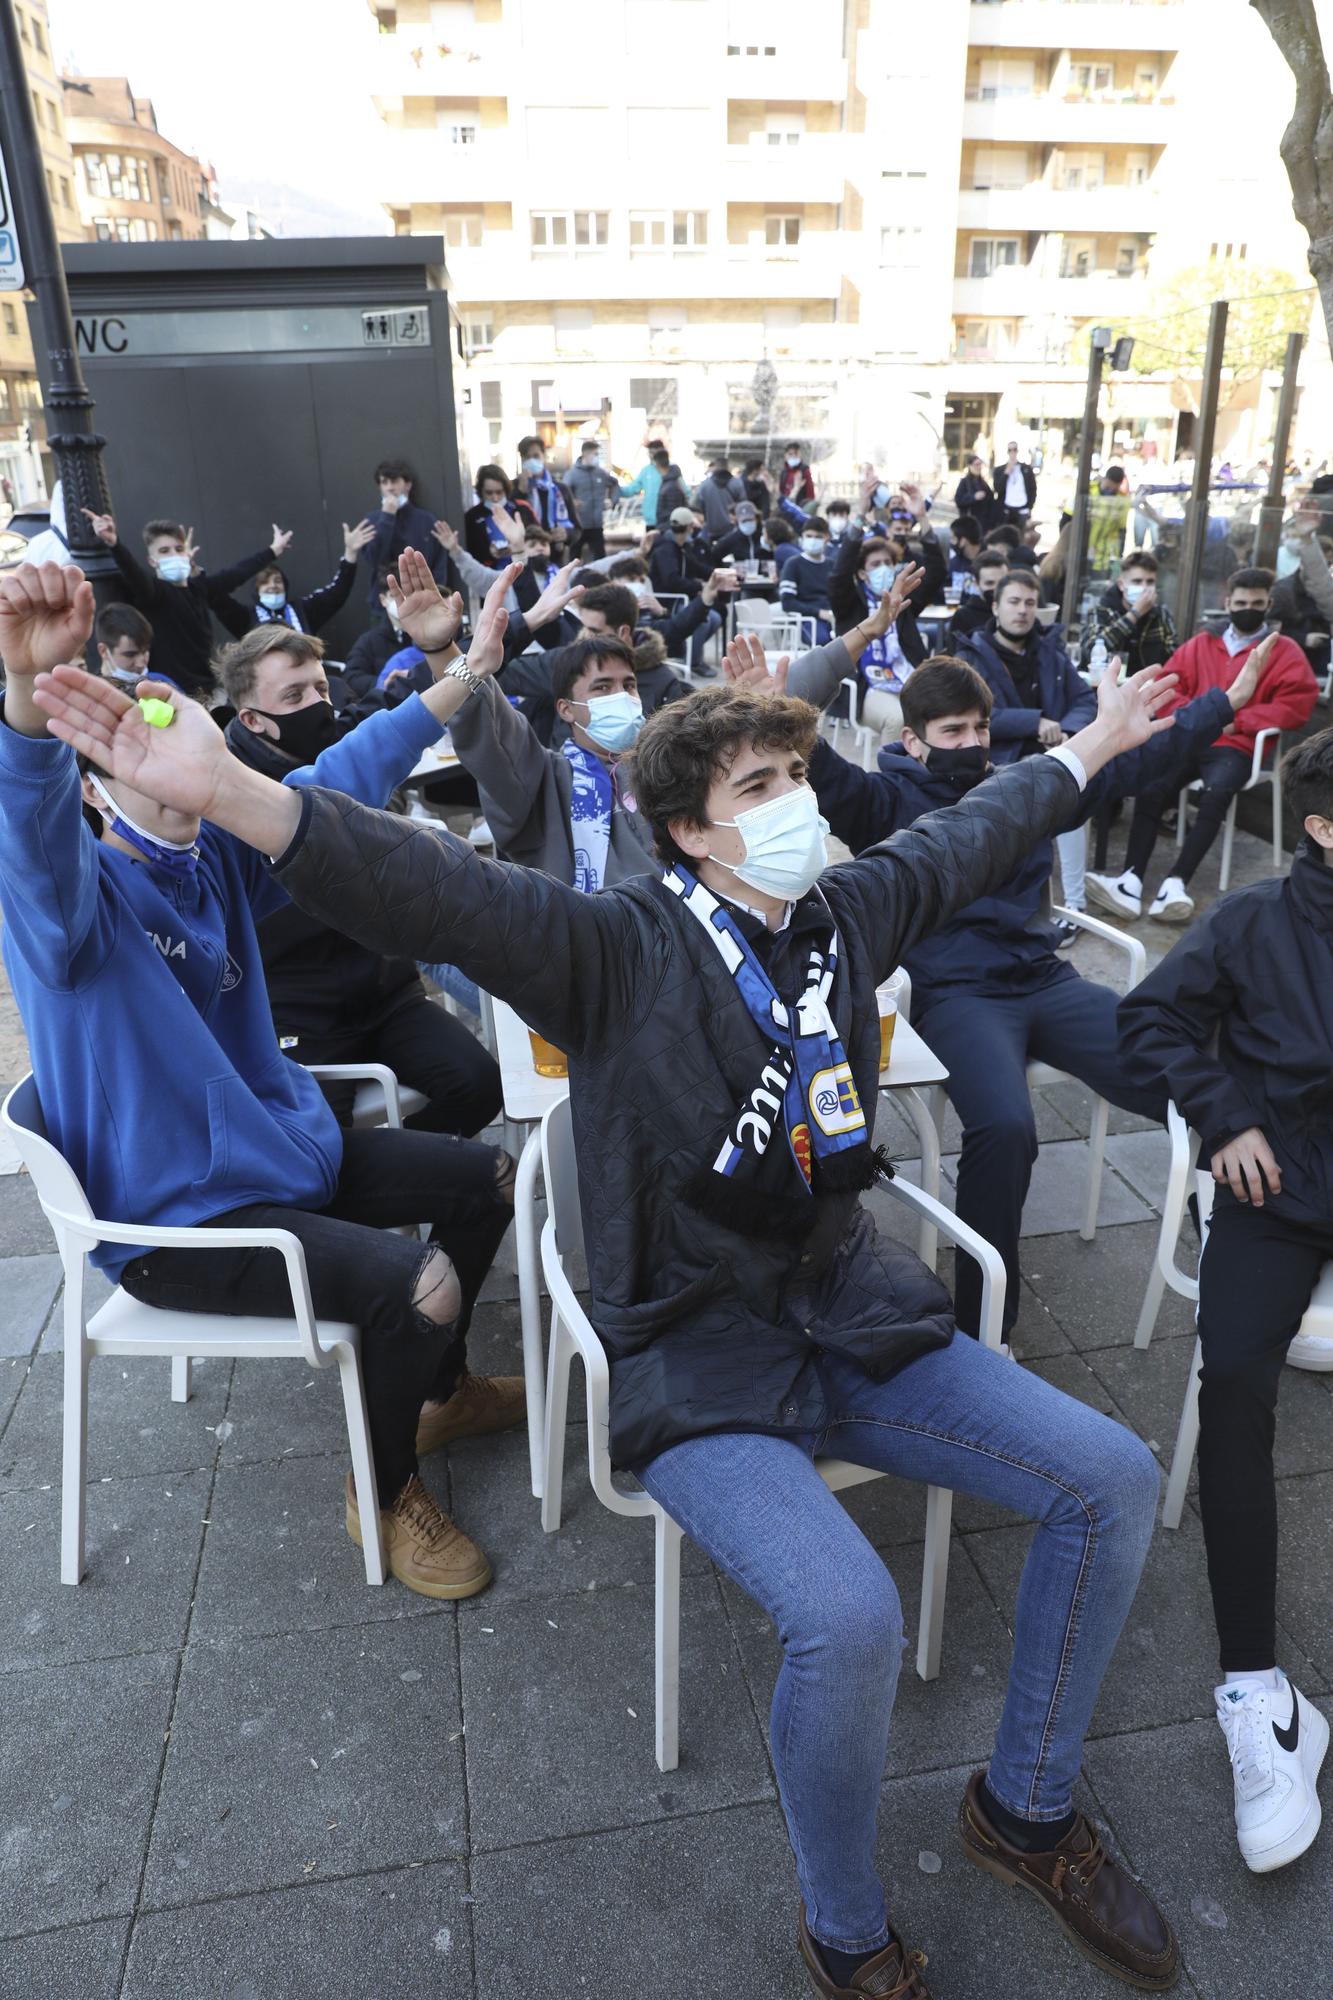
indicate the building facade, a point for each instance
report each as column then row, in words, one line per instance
column 134, row 185
column 807, row 222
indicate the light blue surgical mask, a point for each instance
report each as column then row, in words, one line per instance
column 614, row 720
column 534, row 466
column 273, row 600
column 174, row 569
column 880, row 580
column 785, row 851
column 1132, row 592
column 812, row 545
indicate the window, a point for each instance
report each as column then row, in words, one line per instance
column 901, row 244
column 29, row 392
column 1078, row 256
column 1225, row 252
column 492, row 400
column 680, row 228
column 569, row 229
column 648, row 231
column 11, row 318
column 991, row 253
column 1000, row 167
column 478, row 333
column 462, row 134
column 1138, row 169
column 1081, row 172
column 462, row 230
column 1145, row 80
column 163, row 182
column 4, row 396
column 751, row 49
column 1093, row 79
column 783, row 128
column 573, row 324
column 1006, row 78
column 38, row 39
column 1126, row 259
column 23, row 23
column 65, row 200
column 782, row 232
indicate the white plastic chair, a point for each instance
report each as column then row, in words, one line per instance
column 124, row 1326
column 865, row 739
column 1040, row 1074
column 572, row 1333
column 1311, row 1349
column 381, row 1099
column 1258, row 775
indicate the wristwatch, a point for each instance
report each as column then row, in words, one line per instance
column 459, row 670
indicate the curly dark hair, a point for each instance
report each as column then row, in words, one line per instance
column 686, row 746
column 1307, row 774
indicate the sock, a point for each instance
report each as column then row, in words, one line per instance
column 1030, row 1836
column 843, row 1966
column 1267, row 1676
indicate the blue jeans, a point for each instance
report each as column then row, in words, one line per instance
column 962, row 1417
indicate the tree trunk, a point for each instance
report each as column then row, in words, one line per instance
column 1307, row 143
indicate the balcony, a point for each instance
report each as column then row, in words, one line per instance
column 1017, row 293
column 1077, row 24
column 500, row 271
column 1040, row 207
column 424, row 166
column 1107, row 120
column 814, row 169
column 415, row 62
column 796, row 75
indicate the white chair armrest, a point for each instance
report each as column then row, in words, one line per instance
column 597, row 1376
column 853, row 699
column 1184, row 1157
column 1133, row 950
column 958, row 1233
column 1261, row 742
column 378, row 1073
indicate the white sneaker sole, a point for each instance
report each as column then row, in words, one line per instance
column 1264, row 1860
column 1172, row 913
column 1106, row 899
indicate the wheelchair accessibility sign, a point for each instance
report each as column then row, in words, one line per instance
column 11, row 256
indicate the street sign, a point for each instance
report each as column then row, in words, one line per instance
column 11, row 256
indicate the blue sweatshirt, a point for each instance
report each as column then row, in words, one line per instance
column 142, row 993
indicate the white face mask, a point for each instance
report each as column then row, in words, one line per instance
column 391, row 502
column 837, row 526
column 793, row 458
column 812, row 545
column 785, row 851
column 639, row 585
column 174, row 569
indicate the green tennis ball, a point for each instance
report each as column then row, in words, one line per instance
column 157, row 714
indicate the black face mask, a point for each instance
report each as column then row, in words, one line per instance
column 1248, row 621
column 304, row 732
column 962, row 767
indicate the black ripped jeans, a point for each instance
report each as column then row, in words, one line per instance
column 360, row 1271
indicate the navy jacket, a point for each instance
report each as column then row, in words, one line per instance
column 409, row 528
column 1065, row 698
column 1001, row 944
column 1251, row 980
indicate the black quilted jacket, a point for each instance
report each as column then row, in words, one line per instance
column 705, row 1330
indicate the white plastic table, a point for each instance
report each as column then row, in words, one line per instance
column 437, row 760
column 528, row 1097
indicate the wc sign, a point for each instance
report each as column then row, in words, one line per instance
column 11, row 256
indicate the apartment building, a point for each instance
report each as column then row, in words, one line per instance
column 134, row 185
column 875, row 228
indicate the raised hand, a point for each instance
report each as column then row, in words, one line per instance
column 429, row 619
column 1246, row 684
column 282, row 539
column 446, row 536
column 1129, row 711
column 508, row 524
column 908, row 579
column 558, row 593
column 104, row 527
column 486, row 653
column 191, row 548
column 181, row 766
column 744, row 664
column 46, row 617
column 355, row 539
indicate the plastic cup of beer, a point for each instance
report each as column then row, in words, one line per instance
column 547, row 1059
column 888, row 1021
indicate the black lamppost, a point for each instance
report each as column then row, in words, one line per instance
column 75, row 445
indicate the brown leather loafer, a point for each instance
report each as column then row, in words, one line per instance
column 479, row 1405
column 892, row 1974
column 1113, row 1921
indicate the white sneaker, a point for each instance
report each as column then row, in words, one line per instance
column 1277, row 1742
column 1313, row 1351
column 481, row 835
column 1172, row 904
column 1123, row 897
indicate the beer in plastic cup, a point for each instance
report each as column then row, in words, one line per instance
column 547, row 1059
column 888, row 1021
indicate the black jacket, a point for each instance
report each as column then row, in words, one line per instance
column 973, row 496
column 973, row 612
column 411, row 527
column 181, row 614
column 848, row 599
column 1000, row 479
column 1065, row 696
column 369, row 655
column 312, row 611
column 674, row 568
column 706, row 1330
column 1253, row 978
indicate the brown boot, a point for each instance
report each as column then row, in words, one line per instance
column 479, row 1405
column 1106, row 1914
column 422, row 1547
column 892, row 1974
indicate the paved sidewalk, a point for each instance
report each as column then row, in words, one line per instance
column 229, row 1771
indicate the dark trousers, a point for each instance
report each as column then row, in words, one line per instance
column 986, row 1045
column 1255, row 1279
column 425, row 1047
column 1223, row 772
column 592, row 543
column 361, row 1272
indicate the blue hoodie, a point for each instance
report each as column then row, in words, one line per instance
column 142, row 992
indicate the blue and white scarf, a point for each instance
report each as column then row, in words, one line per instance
column 497, row 538
column 805, row 1094
column 551, row 504
column 287, row 616
column 590, row 806
column 884, row 665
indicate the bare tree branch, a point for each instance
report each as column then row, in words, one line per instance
column 1307, row 143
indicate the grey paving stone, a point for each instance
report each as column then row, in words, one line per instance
column 1305, row 1566
column 1074, row 1103
column 134, row 1428
column 283, row 1409
column 57, row 1965
column 1143, row 1159
column 406, row 1930
column 1168, row 1793
column 27, row 1287
column 495, row 1338
column 96, row 1291
column 548, row 1691
column 278, row 1557
column 961, row 1708
column 1036, row 1332
column 24, row 1230
column 82, row 1747
column 1058, row 1192
column 485, row 1484
column 310, row 1755
column 687, row 1908
column 1095, row 1290
column 141, row 1546
column 13, row 1375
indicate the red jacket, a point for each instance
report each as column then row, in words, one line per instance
column 796, row 483
column 1286, row 695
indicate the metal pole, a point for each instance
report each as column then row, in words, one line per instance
column 1196, row 510
column 75, row 445
column 1271, row 513
column 1078, row 530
